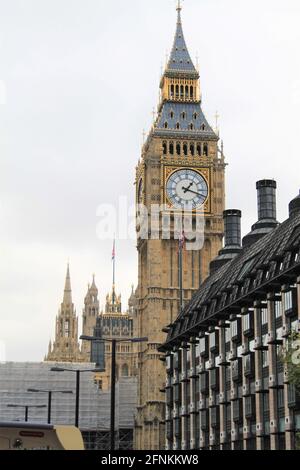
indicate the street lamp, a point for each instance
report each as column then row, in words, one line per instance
column 50, row 393
column 26, row 407
column 77, row 371
column 113, row 375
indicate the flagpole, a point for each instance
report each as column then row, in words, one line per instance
column 114, row 272
column 181, row 273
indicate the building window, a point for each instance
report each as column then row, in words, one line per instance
column 172, row 91
column 183, row 115
column 192, row 149
column 185, row 149
column 246, row 322
column 278, row 312
column 165, row 148
column 203, row 127
column 234, row 329
column 288, row 301
column 191, row 127
column 177, row 125
column 205, row 150
column 195, row 116
column 199, row 150
column 166, row 125
column 265, row 359
column 178, row 149
column 264, row 316
column 125, row 370
column 67, row 329
column 171, row 148
column 227, row 335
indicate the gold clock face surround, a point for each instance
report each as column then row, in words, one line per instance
column 186, row 189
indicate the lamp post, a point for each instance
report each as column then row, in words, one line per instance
column 50, row 393
column 26, row 408
column 77, row 371
column 113, row 342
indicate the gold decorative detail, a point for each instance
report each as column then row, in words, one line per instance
column 203, row 171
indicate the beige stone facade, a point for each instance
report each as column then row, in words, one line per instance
column 89, row 316
column 114, row 324
column 66, row 347
column 180, row 139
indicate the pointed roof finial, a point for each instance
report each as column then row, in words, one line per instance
column 68, row 289
column 180, row 59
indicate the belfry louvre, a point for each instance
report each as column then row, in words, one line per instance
column 226, row 384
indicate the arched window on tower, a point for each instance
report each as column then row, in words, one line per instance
column 205, row 150
column 192, row 149
column 203, row 127
column 172, row 114
column 191, row 126
column 186, row 91
column 195, row 116
column 185, row 149
column 182, row 92
column 166, row 125
column 199, row 150
column 177, row 125
column 172, row 91
column 192, row 92
column 165, row 148
column 183, row 115
column 171, row 148
column 177, row 91
column 178, row 148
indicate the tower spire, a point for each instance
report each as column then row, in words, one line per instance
column 68, row 289
column 179, row 7
column 180, row 59
column 114, row 273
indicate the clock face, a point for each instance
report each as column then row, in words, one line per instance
column 187, row 189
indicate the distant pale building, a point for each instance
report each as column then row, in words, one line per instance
column 114, row 324
column 94, row 404
column 65, row 347
column 90, row 314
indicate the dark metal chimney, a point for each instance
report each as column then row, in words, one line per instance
column 232, row 223
column 266, row 197
column 294, row 206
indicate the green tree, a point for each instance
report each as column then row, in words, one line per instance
column 291, row 358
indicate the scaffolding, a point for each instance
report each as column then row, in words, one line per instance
column 94, row 422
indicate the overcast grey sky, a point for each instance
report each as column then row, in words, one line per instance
column 78, row 81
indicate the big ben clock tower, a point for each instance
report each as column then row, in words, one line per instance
column 181, row 165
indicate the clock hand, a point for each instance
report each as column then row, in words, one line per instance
column 194, row 192
column 186, row 189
